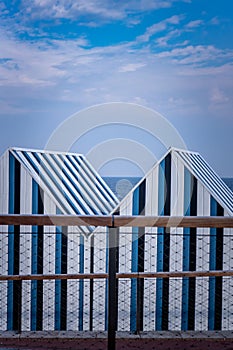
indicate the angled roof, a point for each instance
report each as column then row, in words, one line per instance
column 70, row 181
column 205, row 174
column 196, row 164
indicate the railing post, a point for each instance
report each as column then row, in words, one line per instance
column 112, row 288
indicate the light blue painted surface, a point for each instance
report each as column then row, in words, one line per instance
column 58, row 253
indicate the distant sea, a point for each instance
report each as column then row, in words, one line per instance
column 229, row 182
column 122, row 185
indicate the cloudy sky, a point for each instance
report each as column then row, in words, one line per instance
column 58, row 57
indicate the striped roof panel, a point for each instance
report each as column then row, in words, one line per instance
column 204, row 173
column 70, row 180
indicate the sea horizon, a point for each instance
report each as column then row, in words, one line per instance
column 121, row 185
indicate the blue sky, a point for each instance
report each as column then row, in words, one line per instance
column 174, row 56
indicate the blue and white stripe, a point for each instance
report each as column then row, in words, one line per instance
column 70, row 185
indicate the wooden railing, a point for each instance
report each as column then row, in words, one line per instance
column 113, row 222
column 118, row 220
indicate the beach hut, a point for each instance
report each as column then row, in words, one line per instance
column 182, row 183
column 42, row 182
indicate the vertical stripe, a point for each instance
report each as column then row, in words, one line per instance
column 189, row 253
column 160, row 245
column 40, row 255
column 166, row 252
column 125, row 252
column 15, row 287
column 81, row 282
column 141, row 254
column 106, row 289
column 73, row 286
column 219, row 266
column 203, row 260
column 34, row 256
column 25, row 246
column 216, row 263
column 91, row 283
column 58, row 252
column 37, row 260
column 63, row 282
column 211, row 317
column 11, row 243
column 138, row 251
column 4, row 238
column 49, row 267
column 186, row 244
column 163, row 244
column 176, row 242
column 134, row 264
column 192, row 260
column 117, row 270
column 61, row 285
column 227, row 285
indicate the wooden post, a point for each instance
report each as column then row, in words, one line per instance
column 112, row 287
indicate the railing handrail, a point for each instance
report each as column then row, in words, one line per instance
column 118, row 220
column 113, row 222
column 119, row 275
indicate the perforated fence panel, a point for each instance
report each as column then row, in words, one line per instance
column 143, row 304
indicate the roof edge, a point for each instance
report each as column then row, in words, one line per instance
column 43, row 151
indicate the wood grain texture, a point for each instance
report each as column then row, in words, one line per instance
column 117, row 221
column 91, row 276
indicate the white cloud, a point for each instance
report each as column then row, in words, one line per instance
column 105, row 9
column 159, row 27
column 214, row 21
column 177, row 101
column 182, row 43
column 131, row 67
column 217, row 96
column 71, row 9
column 164, row 40
column 198, row 55
column 44, row 80
column 148, row 5
column 194, row 24
column 73, row 72
column 42, row 63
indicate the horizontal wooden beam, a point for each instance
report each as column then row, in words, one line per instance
column 176, row 274
column 56, row 220
column 174, row 221
column 91, row 276
column 118, row 221
column 78, row 276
